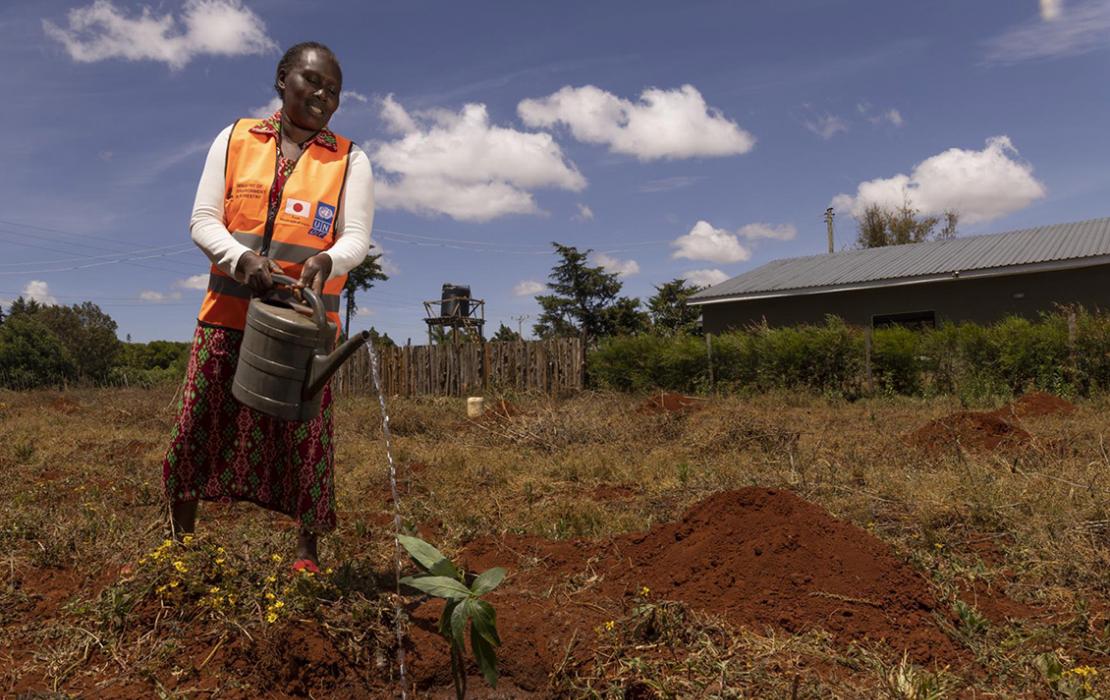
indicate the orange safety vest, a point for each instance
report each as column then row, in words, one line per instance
column 304, row 224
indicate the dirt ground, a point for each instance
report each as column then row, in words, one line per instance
column 658, row 546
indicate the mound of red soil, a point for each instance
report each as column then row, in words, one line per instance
column 1040, row 404
column 668, row 402
column 970, row 429
column 759, row 558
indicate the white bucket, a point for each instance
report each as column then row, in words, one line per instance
column 475, row 405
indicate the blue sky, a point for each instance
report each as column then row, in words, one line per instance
column 696, row 139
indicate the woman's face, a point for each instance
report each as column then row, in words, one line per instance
column 310, row 90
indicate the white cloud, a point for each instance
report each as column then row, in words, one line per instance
column 783, row 232
column 267, row 109
column 826, row 126
column 980, row 185
column 584, row 213
column 39, row 291
column 527, row 288
column 102, row 31
column 662, row 124
column 624, row 268
column 1083, row 28
column 195, row 282
column 892, row 116
column 353, row 95
column 365, row 311
column 460, row 165
column 704, row 278
column 704, row 242
column 158, row 297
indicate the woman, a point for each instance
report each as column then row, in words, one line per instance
column 280, row 194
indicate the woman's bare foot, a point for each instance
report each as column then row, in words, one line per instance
column 183, row 518
column 306, row 546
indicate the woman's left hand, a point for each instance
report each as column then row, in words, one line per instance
column 315, row 272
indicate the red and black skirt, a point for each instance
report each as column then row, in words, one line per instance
column 221, row 450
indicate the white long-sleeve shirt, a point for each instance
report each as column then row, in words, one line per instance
column 352, row 223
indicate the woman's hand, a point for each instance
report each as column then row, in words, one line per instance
column 315, row 272
column 256, row 270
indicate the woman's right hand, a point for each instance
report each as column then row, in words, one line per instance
column 256, row 270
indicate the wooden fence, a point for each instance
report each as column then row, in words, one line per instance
column 554, row 367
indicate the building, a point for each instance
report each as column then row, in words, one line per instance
column 975, row 278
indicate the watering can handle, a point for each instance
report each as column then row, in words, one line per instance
column 314, row 301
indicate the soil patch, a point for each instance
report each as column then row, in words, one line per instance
column 1039, row 403
column 976, row 430
column 758, row 558
column 668, row 402
column 613, row 492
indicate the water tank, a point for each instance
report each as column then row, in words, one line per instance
column 455, row 301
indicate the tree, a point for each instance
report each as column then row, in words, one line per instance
column 625, row 317
column 89, row 335
column 359, row 279
column 881, row 226
column 380, row 339
column 505, row 334
column 583, row 300
column 31, row 355
column 670, row 314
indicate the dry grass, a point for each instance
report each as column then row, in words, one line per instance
column 81, row 498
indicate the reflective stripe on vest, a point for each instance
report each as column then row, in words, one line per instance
column 303, row 226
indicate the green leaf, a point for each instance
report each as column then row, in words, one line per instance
column 445, row 618
column 428, row 557
column 484, row 619
column 484, row 654
column 488, row 580
column 438, row 586
column 459, row 618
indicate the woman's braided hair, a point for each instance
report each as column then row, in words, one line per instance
column 294, row 53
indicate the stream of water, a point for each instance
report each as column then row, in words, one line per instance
column 397, row 558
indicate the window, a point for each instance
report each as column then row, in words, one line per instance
column 909, row 319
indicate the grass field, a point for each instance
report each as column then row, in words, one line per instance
column 903, row 569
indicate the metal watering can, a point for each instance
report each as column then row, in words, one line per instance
column 286, row 358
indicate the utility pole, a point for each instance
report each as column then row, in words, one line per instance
column 829, row 223
column 520, row 323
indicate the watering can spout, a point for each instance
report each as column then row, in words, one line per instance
column 323, row 366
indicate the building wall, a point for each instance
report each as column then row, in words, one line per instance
column 982, row 300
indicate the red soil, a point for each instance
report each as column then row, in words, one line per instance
column 970, row 429
column 759, row 558
column 668, row 402
column 1040, row 404
column 989, row 430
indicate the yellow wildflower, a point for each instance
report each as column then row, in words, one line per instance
column 278, row 605
column 609, row 625
column 271, row 617
column 187, row 539
column 231, row 599
column 160, row 589
column 214, row 589
column 276, row 558
column 644, row 591
column 328, row 571
column 180, row 566
column 174, row 583
column 270, row 595
column 271, row 579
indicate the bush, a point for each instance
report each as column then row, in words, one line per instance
column 975, row 362
column 32, row 356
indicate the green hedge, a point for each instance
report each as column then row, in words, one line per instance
column 973, row 361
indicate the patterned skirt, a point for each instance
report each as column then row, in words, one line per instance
column 221, row 450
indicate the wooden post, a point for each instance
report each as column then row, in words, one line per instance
column 867, row 360
column 709, row 361
column 1073, row 355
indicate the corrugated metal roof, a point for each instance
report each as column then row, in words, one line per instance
column 1002, row 251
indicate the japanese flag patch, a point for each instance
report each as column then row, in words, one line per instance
column 297, row 207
